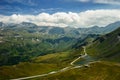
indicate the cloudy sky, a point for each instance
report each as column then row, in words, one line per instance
column 63, row 13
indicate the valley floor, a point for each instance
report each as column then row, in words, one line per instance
column 96, row 70
column 72, row 66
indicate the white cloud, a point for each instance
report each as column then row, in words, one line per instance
column 83, row 19
column 113, row 2
column 83, row 0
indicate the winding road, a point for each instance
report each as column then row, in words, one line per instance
column 61, row 70
column 82, row 56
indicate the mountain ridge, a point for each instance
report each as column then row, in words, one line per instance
column 106, row 46
column 59, row 30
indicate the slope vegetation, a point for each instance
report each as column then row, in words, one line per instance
column 106, row 47
column 96, row 71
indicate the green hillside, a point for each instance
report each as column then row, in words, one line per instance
column 107, row 50
column 106, row 47
column 97, row 71
column 40, row 65
column 21, row 46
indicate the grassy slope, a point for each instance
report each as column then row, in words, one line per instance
column 96, row 71
column 40, row 65
column 25, row 69
column 59, row 58
column 107, row 47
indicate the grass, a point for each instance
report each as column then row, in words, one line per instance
column 97, row 71
column 61, row 58
column 39, row 65
column 108, row 48
column 26, row 69
column 49, row 57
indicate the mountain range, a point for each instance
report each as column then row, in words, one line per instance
column 31, row 27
